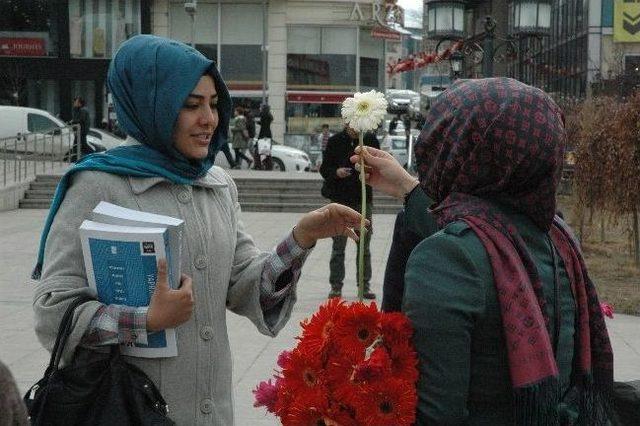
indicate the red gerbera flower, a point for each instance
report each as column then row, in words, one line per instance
column 317, row 330
column 374, row 368
column 339, row 367
column 395, row 327
column 283, row 400
column 302, row 372
column 404, row 361
column 339, row 375
column 308, row 410
column 356, row 328
column 340, row 415
column 388, row 402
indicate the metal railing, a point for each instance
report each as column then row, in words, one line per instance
column 25, row 155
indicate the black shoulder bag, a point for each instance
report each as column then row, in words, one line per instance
column 104, row 390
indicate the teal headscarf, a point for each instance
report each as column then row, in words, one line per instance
column 149, row 78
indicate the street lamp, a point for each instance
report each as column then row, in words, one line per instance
column 445, row 19
column 457, row 63
column 528, row 19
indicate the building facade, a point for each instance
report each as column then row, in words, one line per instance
column 52, row 51
column 302, row 57
column 580, row 56
column 318, row 53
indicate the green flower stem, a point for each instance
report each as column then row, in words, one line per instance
column 363, row 230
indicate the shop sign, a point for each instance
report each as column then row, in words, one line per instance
column 317, row 98
column 626, row 21
column 383, row 12
column 22, row 46
column 385, row 33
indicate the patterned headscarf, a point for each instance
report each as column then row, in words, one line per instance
column 499, row 139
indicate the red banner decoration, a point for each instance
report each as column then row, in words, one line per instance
column 12, row 46
column 385, row 33
column 421, row 60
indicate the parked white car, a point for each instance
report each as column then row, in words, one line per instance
column 284, row 158
column 396, row 145
column 101, row 140
column 287, row 158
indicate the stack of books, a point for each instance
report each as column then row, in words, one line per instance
column 121, row 249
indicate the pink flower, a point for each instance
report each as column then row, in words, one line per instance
column 266, row 394
column 607, row 309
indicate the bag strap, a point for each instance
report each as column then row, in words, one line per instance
column 66, row 325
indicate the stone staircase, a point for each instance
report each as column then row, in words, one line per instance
column 257, row 191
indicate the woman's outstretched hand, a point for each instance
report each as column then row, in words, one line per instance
column 328, row 221
column 384, row 173
column 169, row 308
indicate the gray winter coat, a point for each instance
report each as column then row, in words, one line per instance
column 217, row 253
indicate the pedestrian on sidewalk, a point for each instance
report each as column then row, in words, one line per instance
column 507, row 324
column 224, row 148
column 266, row 118
column 240, row 137
column 81, row 117
column 341, row 185
column 174, row 106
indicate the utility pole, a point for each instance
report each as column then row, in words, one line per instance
column 191, row 8
column 487, row 46
column 265, row 50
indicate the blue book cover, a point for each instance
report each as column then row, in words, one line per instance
column 121, row 264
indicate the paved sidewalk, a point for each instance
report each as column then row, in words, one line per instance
column 254, row 355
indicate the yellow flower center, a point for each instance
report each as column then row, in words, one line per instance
column 363, row 107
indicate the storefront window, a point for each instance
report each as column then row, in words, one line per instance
column 321, row 58
column 43, row 94
column 98, row 27
column 371, row 62
column 28, row 28
column 241, row 55
column 241, row 42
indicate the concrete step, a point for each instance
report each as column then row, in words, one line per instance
column 49, row 178
column 31, row 194
column 37, row 184
column 34, row 204
column 271, row 192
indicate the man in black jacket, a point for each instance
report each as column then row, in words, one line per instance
column 342, row 185
column 80, row 115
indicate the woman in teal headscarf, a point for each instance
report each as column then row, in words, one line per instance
column 175, row 108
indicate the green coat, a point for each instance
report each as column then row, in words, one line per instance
column 450, row 298
column 239, row 140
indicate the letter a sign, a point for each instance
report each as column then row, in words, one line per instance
column 626, row 21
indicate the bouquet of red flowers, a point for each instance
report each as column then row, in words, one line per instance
column 353, row 365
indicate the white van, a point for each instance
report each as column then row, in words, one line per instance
column 40, row 132
column 23, row 120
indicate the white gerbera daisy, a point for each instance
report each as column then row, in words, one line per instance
column 364, row 111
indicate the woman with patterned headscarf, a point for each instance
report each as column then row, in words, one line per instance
column 175, row 109
column 508, row 326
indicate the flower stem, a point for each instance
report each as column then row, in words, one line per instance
column 363, row 230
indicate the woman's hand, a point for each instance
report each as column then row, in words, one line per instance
column 328, row 221
column 169, row 308
column 384, row 173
